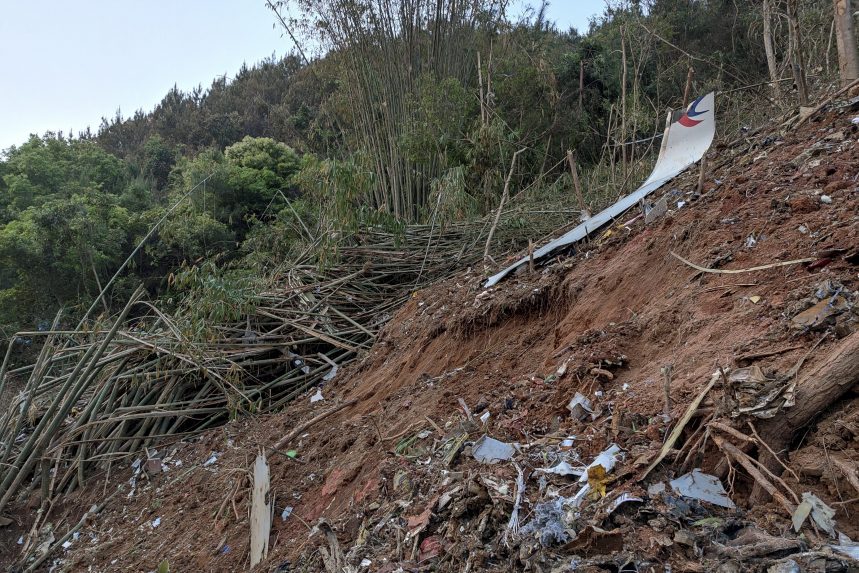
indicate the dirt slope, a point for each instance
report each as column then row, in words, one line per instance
column 385, row 472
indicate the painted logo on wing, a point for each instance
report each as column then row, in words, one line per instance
column 686, row 120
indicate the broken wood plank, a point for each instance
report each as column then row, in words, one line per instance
column 260, row 511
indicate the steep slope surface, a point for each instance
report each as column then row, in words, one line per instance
column 388, row 473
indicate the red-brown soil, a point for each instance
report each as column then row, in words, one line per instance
column 615, row 313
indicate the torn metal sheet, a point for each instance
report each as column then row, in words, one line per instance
column 563, row 469
column 685, row 142
column 821, row 513
column 846, row 546
column 818, row 315
column 580, row 407
column 621, row 499
column 491, row 451
column 759, row 396
column 703, row 487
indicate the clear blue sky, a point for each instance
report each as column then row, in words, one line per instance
column 66, row 64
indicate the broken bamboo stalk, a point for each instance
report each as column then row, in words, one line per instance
column 574, row 173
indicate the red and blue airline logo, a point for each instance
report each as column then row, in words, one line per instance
column 687, row 119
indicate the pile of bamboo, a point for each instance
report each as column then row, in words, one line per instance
column 99, row 395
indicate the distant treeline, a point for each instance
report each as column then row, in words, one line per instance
column 412, row 114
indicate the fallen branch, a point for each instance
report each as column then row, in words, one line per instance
column 848, row 468
column 826, row 102
column 678, row 429
column 295, row 432
column 765, row 354
column 744, row 460
column 740, row 271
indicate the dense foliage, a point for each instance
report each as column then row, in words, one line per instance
column 403, row 117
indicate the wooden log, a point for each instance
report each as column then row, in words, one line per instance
column 816, row 391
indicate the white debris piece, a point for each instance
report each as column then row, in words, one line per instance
column 156, row 522
column 655, row 489
column 580, row 406
column 621, row 499
column 562, row 469
column 821, row 513
column 491, row 451
column 846, row 546
column 317, row 397
column 826, row 199
column 213, row 457
column 607, row 459
column 331, row 374
column 703, row 487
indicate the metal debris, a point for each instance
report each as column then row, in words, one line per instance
column 821, row 513
column 703, row 487
column 491, row 451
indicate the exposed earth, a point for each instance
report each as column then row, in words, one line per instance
column 392, row 474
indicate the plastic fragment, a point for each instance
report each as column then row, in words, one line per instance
column 317, row 397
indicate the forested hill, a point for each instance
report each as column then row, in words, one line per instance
column 399, row 123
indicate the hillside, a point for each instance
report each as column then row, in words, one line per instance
column 388, row 481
